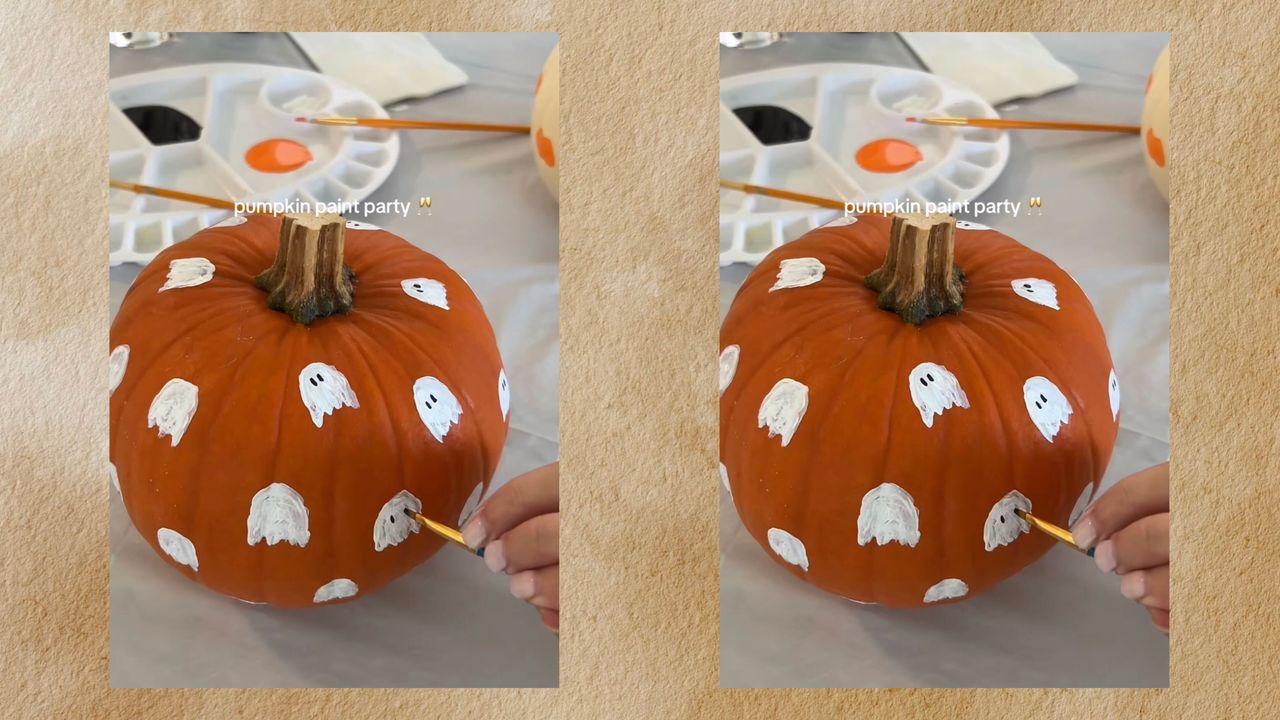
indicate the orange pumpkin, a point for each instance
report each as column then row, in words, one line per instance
column 282, row 389
column 893, row 390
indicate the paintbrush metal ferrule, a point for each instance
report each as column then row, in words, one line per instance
column 1053, row 531
column 443, row 531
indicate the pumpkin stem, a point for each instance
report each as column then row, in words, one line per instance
column 308, row 279
column 919, row 279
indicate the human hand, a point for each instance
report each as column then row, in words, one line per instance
column 519, row 529
column 1128, row 527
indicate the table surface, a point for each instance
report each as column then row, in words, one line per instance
column 1060, row 622
column 449, row 622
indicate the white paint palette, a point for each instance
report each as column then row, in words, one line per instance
column 236, row 106
column 846, row 106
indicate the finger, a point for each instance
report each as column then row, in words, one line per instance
column 533, row 543
column 550, row 618
column 533, row 493
column 540, row 588
column 1144, row 544
column 1159, row 618
column 1142, row 493
column 1148, row 587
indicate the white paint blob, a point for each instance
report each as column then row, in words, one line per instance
column 789, row 548
column 324, row 389
column 114, row 477
column 437, row 407
column 117, row 363
column 966, row 225
column 728, row 366
column 232, row 221
column 841, row 221
column 934, row 389
column 724, row 479
column 469, row 507
column 504, row 393
column 946, row 590
column 277, row 514
column 1113, row 393
column 1046, row 405
column 798, row 272
column 178, row 547
column 187, row 272
column 888, row 515
column 1040, row 292
column 357, row 225
column 1082, row 504
column 783, row 408
column 427, row 291
column 1003, row 524
column 172, row 409
column 335, row 590
column 392, row 525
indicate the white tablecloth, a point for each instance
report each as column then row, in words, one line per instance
column 448, row 623
column 1061, row 622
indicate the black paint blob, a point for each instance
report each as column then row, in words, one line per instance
column 773, row 125
column 163, row 125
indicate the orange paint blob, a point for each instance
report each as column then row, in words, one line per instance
column 538, row 85
column 545, row 149
column 888, row 155
column 1149, row 77
column 277, row 156
column 1155, row 148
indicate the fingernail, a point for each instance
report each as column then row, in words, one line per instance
column 474, row 533
column 1134, row 585
column 1084, row 533
column 1105, row 556
column 494, row 557
column 522, row 585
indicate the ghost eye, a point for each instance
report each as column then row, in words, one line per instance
column 1026, row 285
column 417, row 286
column 930, row 376
column 393, row 519
column 313, row 382
column 1038, row 406
column 924, row 382
column 1044, row 399
column 433, row 398
column 1001, row 518
column 320, row 378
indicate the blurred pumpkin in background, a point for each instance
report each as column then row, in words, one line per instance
column 1155, row 124
column 545, row 125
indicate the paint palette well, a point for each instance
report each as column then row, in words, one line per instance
column 849, row 108
column 237, row 107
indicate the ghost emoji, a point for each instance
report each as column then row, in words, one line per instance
column 357, row 225
column 1046, row 405
column 783, row 408
column 172, row 409
column 1003, row 524
column 1040, row 292
column 277, row 513
column 934, row 389
column 437, row 407
column 426, row 290
column 968, row 225
column 392, row 526
column 788, row 547
column 324, row 389
column 888, row 515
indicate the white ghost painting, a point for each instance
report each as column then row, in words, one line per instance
column 842, row 221
column 788, row 547
column 473, row 501
column 277, row 513
column 504, row 393
column 172, row 409
column 946, row 590
column 324, row 389
column 426, row 290
column 1113, row 393
column 934, row 389
column 967, row 225
column 798, row 272
column 232, row 221
column 1082, row 504
column 393, row 526
column 724, row 479
column 437, row 407
column 1040, row 292
column 178, row 547
column 357, row 225
column 335, row 590
column 1046, row 405
column 117, row 363
column 728, row 366
column 783, row 408
column 888, row 515
column 1003, row 525
column 114, row 477
column 187, row 272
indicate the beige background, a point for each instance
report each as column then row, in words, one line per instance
column 639, row 353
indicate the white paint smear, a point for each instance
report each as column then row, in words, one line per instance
column 1046, row 405
column 117, row 363
column 426, row 290
column 114, row 477
column 1003, row 525
column 357, row 225
column 728, row 366
column 178, row 547
column 172, row 409
column 232, row 221
column 789, row 548
column 946, row 590
column 934, row 389
column 504, row 393
column 473, row 501
column 1040, row 292
column 335, row 590
column 724, row 479
column 1082, row 504
column 966, row 225
column 187, row 272
column 841, row 221
column 1113, row 393
column 392, row 525
column 437, row 407
column 324, row 389
column 277, row 513
column 798, row 272
column 783, row 408
column 888, row 515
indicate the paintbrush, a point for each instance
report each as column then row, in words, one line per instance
column 1003, row 124
column 782, row 194
column 1053, row 531
column 173, row 194
column 399, row 124
column 443, row 531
